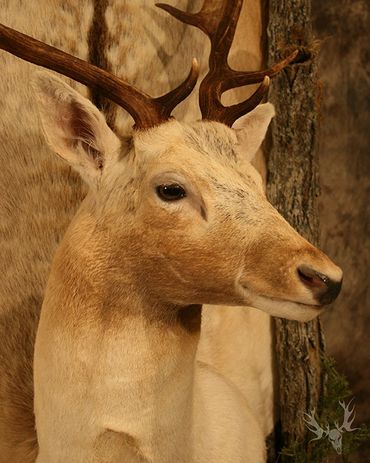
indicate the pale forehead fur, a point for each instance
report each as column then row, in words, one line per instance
column 206, row 154
column 206, row 144
column 209, row 138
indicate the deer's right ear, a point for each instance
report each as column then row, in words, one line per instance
column 74, row 127
column 251, row 128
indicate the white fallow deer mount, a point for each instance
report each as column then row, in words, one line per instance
column 334, row 435
column 175, row 217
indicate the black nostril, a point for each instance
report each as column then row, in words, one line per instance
column 324, row 289
column 311, row 278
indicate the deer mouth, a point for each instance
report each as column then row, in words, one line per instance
column 285, row 308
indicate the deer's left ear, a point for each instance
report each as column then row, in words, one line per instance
column 74, row 127
column 251, row 128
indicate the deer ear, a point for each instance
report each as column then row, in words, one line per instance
column 74, row 127
column 251, row 128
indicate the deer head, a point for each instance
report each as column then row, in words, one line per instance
column 178, row 207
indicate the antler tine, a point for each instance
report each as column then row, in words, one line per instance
column 228, row 115
column 218, row 19
column 169, row 101
column 146, row 111
column 239, row 78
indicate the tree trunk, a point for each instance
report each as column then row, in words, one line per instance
column 293, row 187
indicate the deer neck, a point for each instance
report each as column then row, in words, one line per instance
column 105, row 350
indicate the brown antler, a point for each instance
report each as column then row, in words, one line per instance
column 218, row 19
column 146, row 111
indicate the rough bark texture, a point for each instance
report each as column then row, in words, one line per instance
column 293, row 189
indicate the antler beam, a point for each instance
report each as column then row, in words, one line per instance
column 145, row 110
column 218, row 20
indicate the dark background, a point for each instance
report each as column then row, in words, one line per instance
column 344, row 145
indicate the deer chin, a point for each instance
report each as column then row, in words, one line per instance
column 282, row 308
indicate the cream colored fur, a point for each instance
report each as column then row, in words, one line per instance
column 238, row 342
column 115, row 348
column 89, row 405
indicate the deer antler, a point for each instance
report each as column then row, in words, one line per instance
column 347, row 421
column 146, row 111
column 218, row 19
column 314, row 426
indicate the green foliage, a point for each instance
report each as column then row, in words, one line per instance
column 321, row 451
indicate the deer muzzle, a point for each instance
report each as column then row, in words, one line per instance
column 324, row 288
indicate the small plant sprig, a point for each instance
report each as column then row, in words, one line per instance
column 321, row 450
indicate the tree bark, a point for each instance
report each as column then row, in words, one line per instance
column 293, row 187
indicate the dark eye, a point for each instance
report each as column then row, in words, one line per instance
column 172, row 192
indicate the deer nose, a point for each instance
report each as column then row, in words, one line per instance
column 324, row 288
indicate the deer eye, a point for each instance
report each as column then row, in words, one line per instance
column 172, row 192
